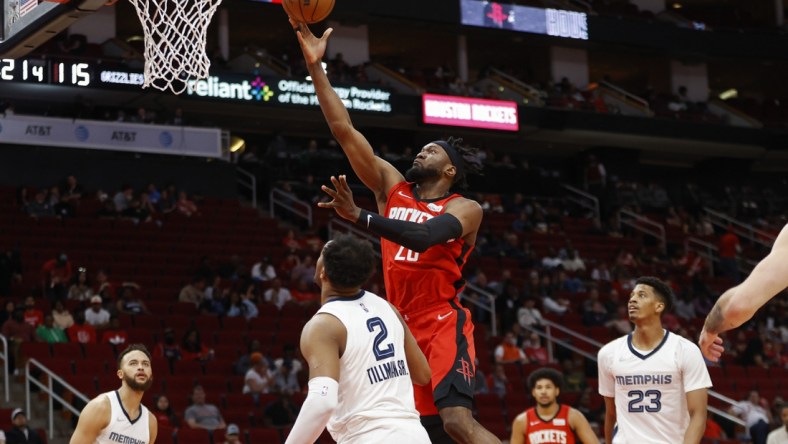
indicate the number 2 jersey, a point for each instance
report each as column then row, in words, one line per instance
column 374, row 380
column 418, row 280
column 650, row 387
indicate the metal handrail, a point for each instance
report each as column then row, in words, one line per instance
column 250, row 183
column 290, row 203
column 548, row 335
column 335, row 223
column 584, row 199
column 644, row 225
column 51, row 395
column 4, row 358
column 740, row 228
column 710, row 251
column 628, row 95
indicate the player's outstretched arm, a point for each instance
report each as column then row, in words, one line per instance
column 519, row 427
column 411, row 235
column 697, row 402
column 610, row 418
column 322, row 343
column 582, row 428
column 738, row 304
column 94, row 418
column 377, row 174
column 418, row 366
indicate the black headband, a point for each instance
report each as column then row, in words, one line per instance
column 454, row 156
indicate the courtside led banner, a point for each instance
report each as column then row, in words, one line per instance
column 470, row 112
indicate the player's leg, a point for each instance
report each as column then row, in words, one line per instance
column 454, row 376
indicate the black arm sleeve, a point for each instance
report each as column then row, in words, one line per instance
column 416, row 237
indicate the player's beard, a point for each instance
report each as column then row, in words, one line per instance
column 419, row 174
column 131, row 381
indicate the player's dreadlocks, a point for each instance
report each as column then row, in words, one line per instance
column 471, row 162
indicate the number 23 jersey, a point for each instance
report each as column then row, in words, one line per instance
column 414, row 280
column 650, row 387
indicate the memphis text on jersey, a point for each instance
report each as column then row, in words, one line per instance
column 387, row 370
column 123, row 439
column 644, row 379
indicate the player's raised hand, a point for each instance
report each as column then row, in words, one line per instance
column 313, row 48
column 711, row 346
column 342, row 201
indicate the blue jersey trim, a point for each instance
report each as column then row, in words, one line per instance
column 640, row 355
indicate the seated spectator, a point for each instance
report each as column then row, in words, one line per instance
column 165, row 415
column 285, row 380
column 573, row 262
column 601, row 273
column 49, row 332
column 96, row 315
column 551, row 259
column 71, row 192
column 756, row 414
column 232, row 434
column 528, row 315
column 535, row 351
column 259, row 378
column 80, row 289
column 17, row 331
column 277, row 294
column 304, row 271
column 20, row 433
column 192, row 348
column 289, row 357
column 62, row 316
column 123, row 198
column 107, row 289
column 498, row 381
column 263, row 271
column 282, row 412
column 40, row 206
column 241, row 305
column 168, row 347
column 557, row 306
column 574, row 378
column 244, row 363
column 569, row 283
column 507, row 352
column 115, row 334
column 185, row 206
column 81, row 331
column 621, row 324
column 685, row 307
column 194, row 292
column 166, row 203
column 305, row 294
column 55, row 275
column 130, row 303
column 200, row 415
column 33, row 316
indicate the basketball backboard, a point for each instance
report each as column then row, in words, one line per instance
column 26, row 24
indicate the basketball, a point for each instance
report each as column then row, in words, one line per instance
column 308, row 11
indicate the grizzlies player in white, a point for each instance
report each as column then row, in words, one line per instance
column 362, row 358
column 654, row 382
column 119, row 416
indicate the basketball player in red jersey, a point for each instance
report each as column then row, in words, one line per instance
column 550, row 422
column 427, row 233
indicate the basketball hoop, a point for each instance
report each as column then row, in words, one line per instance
column 175, row 38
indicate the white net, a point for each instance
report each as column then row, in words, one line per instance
column 175, row 38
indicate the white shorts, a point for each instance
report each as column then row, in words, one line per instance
column 386, row 430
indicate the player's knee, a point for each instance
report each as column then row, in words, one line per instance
column 456, row 424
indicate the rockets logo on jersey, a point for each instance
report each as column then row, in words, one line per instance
column 547, row 437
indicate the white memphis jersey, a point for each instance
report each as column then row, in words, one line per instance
column 650, row 389
column 122, row 429
column 374, row 381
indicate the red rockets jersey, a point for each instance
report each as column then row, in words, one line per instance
column 418, row 280
column 554, row 431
